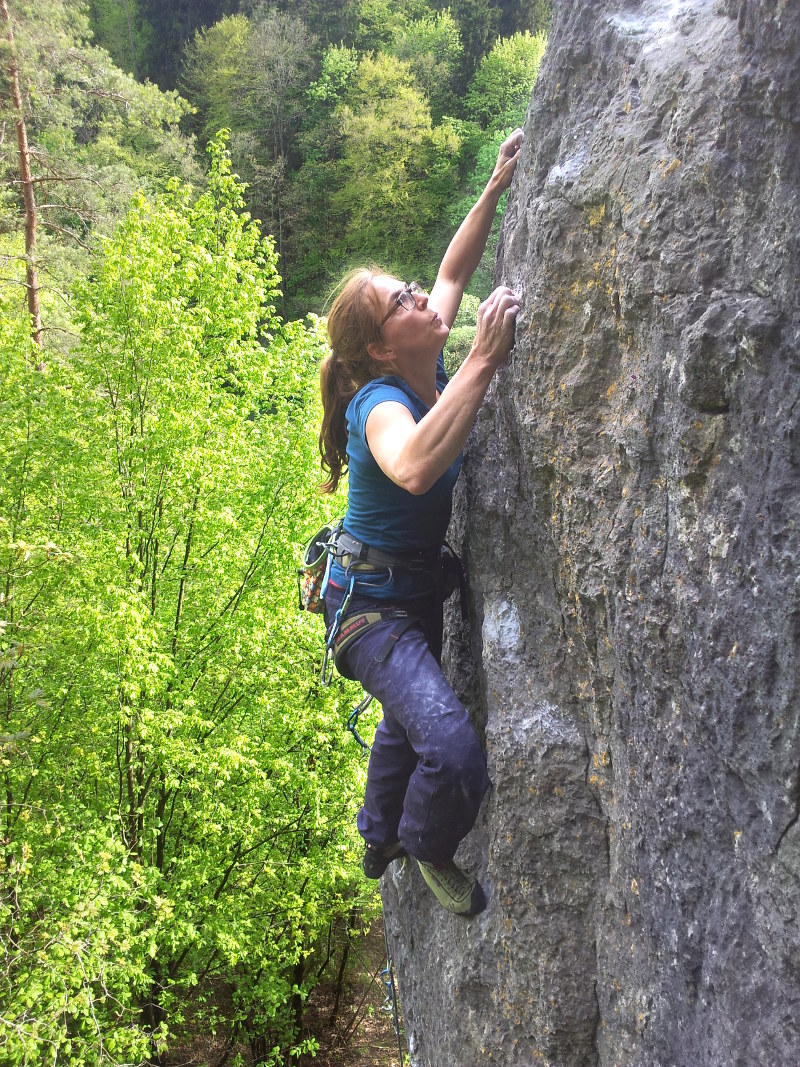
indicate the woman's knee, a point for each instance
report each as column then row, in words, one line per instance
column 456, row 756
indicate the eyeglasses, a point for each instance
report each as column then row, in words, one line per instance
column 405, row 299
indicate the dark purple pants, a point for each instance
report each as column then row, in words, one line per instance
column 427, row 771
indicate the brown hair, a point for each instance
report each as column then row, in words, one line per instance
column 352, row 325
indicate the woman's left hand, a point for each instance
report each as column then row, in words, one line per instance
column 507, row 159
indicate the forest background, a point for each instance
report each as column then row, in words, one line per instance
column 177, row 845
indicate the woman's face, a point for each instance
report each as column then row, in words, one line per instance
column 417, row 328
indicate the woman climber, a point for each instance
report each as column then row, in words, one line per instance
column 392, row 419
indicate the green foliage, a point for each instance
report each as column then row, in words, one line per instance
column 462, row 333
column 178, row 790
column 119, row 28
column 380, row 20
column 388, row 207
column 277, row 71
column 96, row 135
column 212, row 74
column 501, row 89
column 85, row 116
column 339, row 64
column 479, row 24
column 384, row 131
column 485, row 159
column 431, row 45
column 384, row 211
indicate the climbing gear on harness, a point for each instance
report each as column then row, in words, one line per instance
column 376, row 860
column 441, row 561
column 358, row 558
column 312, row 574
column 347, row 628
column 354, row 626
column 352, row 721
column 456, row 891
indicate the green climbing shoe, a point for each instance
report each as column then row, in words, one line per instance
column 453, row 889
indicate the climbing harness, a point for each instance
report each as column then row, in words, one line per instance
column 357, row 558
column 348, row 628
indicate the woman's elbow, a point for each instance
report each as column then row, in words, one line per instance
column 415, row 480
column 420, row 487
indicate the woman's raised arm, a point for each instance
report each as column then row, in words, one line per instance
column 465, row 250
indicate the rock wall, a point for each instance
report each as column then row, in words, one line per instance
column 629, row 520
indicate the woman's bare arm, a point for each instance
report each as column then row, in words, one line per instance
column 465, row 250
column 416, row 455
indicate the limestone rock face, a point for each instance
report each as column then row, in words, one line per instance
column 629, row 520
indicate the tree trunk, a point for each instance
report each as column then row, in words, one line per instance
column 31, row 276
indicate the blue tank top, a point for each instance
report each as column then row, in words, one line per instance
column 381, row 513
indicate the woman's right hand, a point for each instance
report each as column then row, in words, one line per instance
column 494, row 336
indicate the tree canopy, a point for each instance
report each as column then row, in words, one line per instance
column 177, row 789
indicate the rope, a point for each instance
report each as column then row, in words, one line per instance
column 390, row 1001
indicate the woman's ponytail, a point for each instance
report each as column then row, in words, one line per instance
column 333, row 433
column 352, row 326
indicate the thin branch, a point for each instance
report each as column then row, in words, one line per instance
column 48, row 178
column 26, row 180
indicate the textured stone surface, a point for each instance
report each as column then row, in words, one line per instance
column 630, row 524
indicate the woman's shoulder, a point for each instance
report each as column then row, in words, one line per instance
column 377, row 391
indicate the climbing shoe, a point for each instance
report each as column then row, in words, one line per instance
column 454, row 889
column 377, row 860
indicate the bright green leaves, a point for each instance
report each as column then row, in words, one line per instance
column 501, row 88
column 431, row 45
column 387, row 139
column 178, row 791
column 391, row 171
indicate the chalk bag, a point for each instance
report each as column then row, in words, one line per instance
column 312, row 575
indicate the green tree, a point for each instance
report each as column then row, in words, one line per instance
column 380, row 20
column 95, row 136
column 501, row 89
column 431, row 45
column 212, row 76
column 479, row 23
column 276, row 70
column 316, row 229
column 385, row 210
column 118, row 27
column 178, row 792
